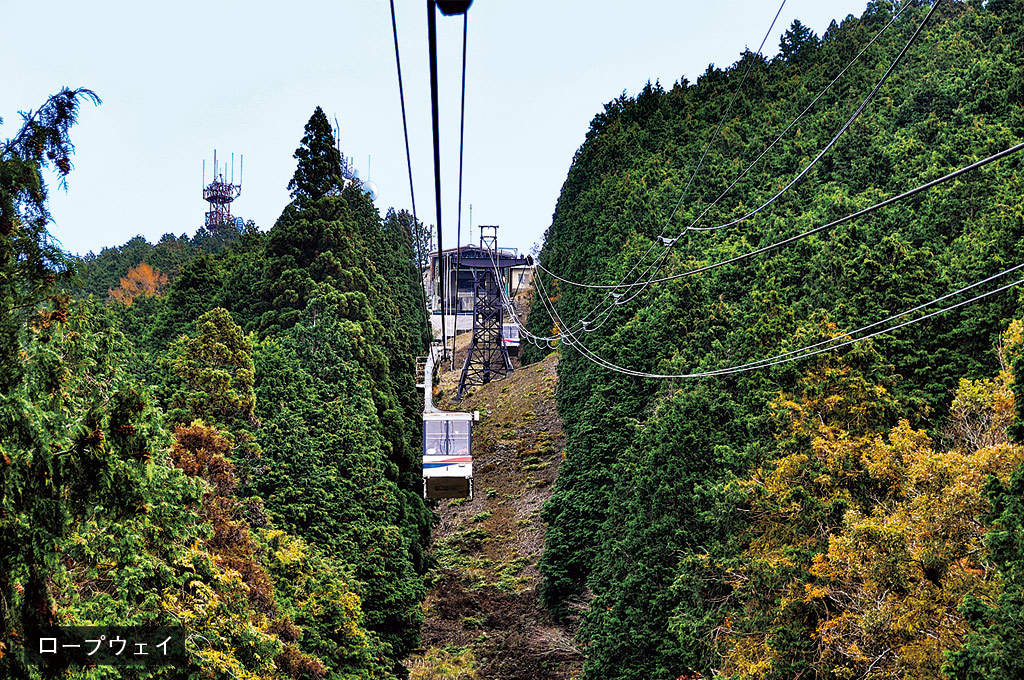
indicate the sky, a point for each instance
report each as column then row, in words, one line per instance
column 181, row 80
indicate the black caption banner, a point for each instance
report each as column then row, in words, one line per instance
column 107, row 646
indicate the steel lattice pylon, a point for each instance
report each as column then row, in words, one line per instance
column 487, row 358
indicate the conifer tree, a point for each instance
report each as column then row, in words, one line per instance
column 795, row 41
column 214, row 373
column 995, row 646
column 319, row 170
column 29, row 261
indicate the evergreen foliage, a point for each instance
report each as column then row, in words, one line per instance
column 215, row 374
column 238, row 386
column 797, row 43
column 319, row 162
column 995, row 647
column 821, row 518
column 234, row 450
column 342, row 457
column 30, row 262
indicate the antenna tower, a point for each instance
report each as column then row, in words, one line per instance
column 348, row 169
column 221, row 192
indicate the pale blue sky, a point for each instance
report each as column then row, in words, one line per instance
column 179, row 80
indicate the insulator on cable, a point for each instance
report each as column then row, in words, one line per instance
column 668, row 242
column 616, row 295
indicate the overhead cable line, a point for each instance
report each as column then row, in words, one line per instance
column 462, row 133
column 401, row 97
column 721, row 122
column 669, row 243
column 590, row 326
column 835, row 223
column 951, row 175
column 831, row 344
column 804, row 352
column 842, row 220
column 586, row 323
column 842, row 130
column 804, row 112
column 707, row 147
column 889, row 319
column 408, row 157
column 458, row 230
column 435, row 128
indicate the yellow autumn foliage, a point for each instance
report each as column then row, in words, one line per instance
column 893, row 578
column 868, row 537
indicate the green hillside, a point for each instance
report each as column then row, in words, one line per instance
column 820, row 518
column 216, row 434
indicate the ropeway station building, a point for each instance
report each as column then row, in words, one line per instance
column 457, row 267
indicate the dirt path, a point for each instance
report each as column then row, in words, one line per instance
column 483, row 614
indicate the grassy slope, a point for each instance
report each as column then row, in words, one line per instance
column 483, row 614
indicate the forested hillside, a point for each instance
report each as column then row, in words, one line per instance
column 216, row 434
column 852, row 514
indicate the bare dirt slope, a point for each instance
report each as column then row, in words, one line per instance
column 483, row 614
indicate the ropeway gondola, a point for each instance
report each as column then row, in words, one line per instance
column 510, row 338
column 447, row 446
